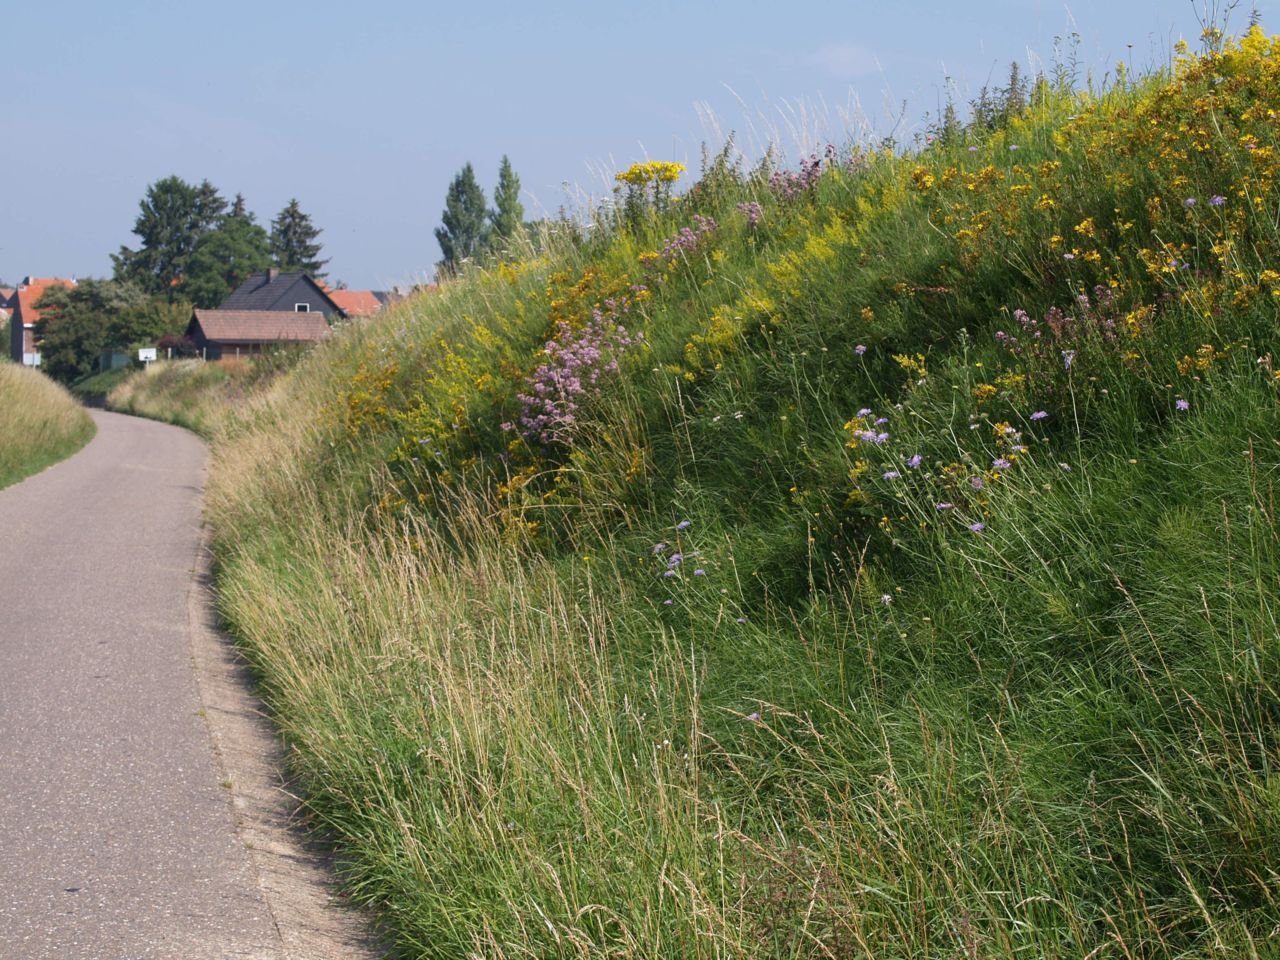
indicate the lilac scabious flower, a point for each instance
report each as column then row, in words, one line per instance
column 675, row 559
column 864, row 412
column 1039, row 415
column 1189, row 202
column 880, row 421
column 659, row 548
column 977, row 527
column 892, row 475
column 1014, row 146
column 914, row 461
column 753, row 717
column 699, row 572
column 1068, row 358
column 860, row 349
column 752, row 211
column 1183, row 404
column 973, row 149
column 879, row 438
column 684, row 524
column 667, row 603
column 1217, row 200
column 976, row 483
column 1000, row 463
column 944, row 506
column 668, row 573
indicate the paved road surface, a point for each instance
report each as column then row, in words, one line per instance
column 117, row 839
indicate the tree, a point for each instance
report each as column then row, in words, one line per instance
column 293, row 241
column 462, row 234
column 508, row 216
column 74, row 324
column 226, row 256
column 173, row 216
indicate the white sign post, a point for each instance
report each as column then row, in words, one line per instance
column 146, row 355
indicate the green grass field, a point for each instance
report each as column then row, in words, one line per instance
column 876, row 558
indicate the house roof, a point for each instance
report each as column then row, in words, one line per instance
column 356, row 303
column 28, row 295
column 269, row 290
column 261, row 326
column 5, row 294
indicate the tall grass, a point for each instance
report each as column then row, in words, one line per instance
column 40, row 423
column 908, row 590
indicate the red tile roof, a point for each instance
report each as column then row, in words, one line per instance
column 355, row 303
column 261, row 326
column 30, row 293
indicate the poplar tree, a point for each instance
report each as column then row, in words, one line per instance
column 462, row 233
column 508, row 216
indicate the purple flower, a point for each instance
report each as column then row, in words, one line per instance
column 684, row 524
column 1068, row 357
column 977, row 527
column 699, row 572
column 1217, row 200
column 1189, row 202
column 675, row 559
column 1000, row 463
column 864, row 412
column 1039, row 415
column 976, row 483
column 880, row 421
column 1183, row 404
column 753, row 717
column 915, row 461
column 973, row 149
column 667, row 603
column 668, row 573
column 1014, row 146
column 891, row 474
column 880, row 437
column 860, row 349
column 944, row 506
column 659, row 548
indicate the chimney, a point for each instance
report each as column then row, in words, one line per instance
column 272, row 273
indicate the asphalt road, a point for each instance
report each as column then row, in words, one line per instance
column 117, row 838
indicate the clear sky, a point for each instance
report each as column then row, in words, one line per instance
column 365, row 111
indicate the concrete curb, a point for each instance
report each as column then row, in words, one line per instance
column 296, row 876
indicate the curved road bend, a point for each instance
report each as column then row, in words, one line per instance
column 116, row 838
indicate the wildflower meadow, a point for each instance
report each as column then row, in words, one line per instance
column 868, row 556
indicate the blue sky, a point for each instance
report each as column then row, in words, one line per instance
column 365, row 112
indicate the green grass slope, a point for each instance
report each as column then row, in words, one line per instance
column 40, row 423
column 877, row 559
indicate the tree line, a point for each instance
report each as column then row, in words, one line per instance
column 194, row 249
column 468, row 227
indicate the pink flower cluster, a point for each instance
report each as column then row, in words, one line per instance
column 752, row 211
column 1092, row 319
column 577, row 364
column 688, row 239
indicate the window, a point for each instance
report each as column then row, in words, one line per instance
column 302, row 308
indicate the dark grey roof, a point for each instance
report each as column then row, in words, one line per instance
column 273, row 290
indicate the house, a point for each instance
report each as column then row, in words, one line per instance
column 358, row 303
column 22, row 334
column 281, row 292
column 226, row 333
column 5, row 294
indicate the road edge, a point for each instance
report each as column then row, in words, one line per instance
column 295, row 875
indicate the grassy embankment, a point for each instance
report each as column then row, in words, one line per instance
column 40, row 423
column 191, row 393
column 907, row 589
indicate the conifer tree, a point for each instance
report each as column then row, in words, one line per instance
column 508, row 214
column 172, row 218
column 293, row 243
column 462, row 233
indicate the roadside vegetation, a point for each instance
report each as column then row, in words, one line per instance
column 192, row 393
column 870, row 558
column 40, row 423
